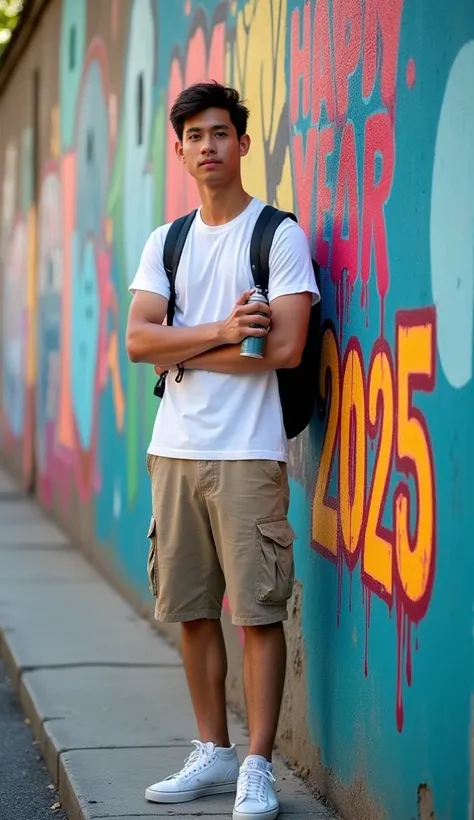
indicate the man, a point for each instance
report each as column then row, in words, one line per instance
column 217, row 458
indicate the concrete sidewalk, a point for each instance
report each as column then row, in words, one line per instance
column 106, row 696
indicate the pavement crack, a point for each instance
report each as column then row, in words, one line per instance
column 173, row 744
column 100, row 665
column 170, row 813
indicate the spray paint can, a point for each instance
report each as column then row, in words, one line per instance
column 254, row 346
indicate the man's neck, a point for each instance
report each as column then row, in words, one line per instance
column 221, row 205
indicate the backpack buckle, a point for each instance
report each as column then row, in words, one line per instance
column 160, row 386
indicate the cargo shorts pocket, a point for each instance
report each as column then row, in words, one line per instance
column 275, row 567
column 152, row 566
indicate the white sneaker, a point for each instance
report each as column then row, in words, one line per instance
column 256, row 797
column 209, row 769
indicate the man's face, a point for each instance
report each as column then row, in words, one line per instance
column 211, row 149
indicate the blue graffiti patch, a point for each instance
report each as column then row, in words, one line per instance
column 84, row 337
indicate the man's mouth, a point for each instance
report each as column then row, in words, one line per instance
column 211, row 162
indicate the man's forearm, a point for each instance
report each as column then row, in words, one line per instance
column 228, row 359
column 157, row 344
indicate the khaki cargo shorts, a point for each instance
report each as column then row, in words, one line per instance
column 220, row 526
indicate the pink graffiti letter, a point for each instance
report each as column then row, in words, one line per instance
column 323, row 194
column 384, row 17
column 347, row 46
column 305, row 164
column 323, row 75
column 300, row 62
column 345, row 249
column 379, row 162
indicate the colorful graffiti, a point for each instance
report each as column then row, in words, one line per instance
column 50, row 287
column 18, row 232
column 344, row 163
column 77, row 303
column 377, row 509
column 366, row 129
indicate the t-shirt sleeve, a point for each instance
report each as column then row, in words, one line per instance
column 291, row 266
column 151, row 275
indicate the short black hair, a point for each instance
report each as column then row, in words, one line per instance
column 199, row 97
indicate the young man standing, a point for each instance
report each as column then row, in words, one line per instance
column 217, row 458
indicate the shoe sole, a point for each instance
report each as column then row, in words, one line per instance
column 267, row 815
column 192, row 794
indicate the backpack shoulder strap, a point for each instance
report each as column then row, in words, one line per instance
column 173, row 248
column 260, row 244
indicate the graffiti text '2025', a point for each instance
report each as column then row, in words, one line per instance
column 380, row 406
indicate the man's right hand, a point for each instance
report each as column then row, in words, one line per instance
column 238, row 325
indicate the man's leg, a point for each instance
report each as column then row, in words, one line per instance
column 205, row 661
column 188, row 583
column 264, row 678
column 248, row 512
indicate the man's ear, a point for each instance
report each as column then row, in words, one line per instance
column 178, row 147
column 244, row 144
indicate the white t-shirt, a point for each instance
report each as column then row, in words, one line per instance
column 218, row 416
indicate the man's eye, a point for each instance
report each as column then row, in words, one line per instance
column 220, row 134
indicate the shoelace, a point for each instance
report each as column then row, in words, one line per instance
column 193, row 760
column 253, row 784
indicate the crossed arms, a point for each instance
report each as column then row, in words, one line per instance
column 216, row 346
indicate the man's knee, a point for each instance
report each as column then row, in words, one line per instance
column 199, row 625
column 263, row 631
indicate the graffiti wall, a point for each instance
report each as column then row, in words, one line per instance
column 362, row 121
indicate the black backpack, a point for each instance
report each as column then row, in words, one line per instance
column 298, row 386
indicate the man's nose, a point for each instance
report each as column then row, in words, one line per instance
column 207, row 145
